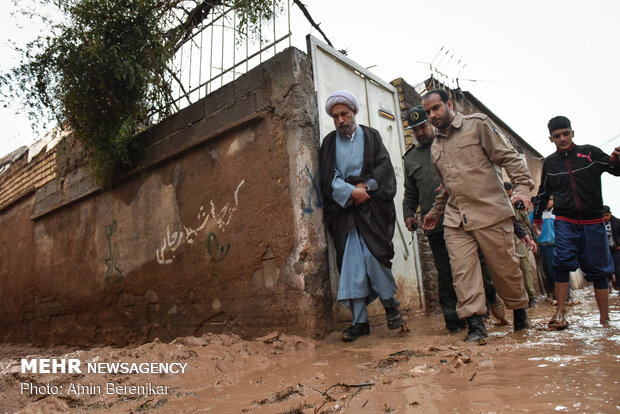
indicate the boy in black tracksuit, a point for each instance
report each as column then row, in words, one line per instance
column 573, row 176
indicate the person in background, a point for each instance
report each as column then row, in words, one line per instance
column 523, row 250
column 546, row 243
column 612, row 226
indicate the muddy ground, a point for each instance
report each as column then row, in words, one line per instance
column 424, row 371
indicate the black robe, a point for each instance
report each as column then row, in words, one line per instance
column 375, row 218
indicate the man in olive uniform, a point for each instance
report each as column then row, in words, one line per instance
column 477, row 213
column 421, row 183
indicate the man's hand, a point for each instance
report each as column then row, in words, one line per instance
column 360, row 195
column 411, row 223
column 525, row 199
column 529, row 244
column 429, row 223
column 615, row 156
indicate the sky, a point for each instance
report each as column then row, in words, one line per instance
column 525, row 60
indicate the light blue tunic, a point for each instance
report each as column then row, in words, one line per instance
column 362, row 275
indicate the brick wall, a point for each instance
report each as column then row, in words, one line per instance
column 23, row 177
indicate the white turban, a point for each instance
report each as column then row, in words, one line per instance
column 342, row 97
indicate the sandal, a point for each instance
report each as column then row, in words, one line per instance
column 558, row 322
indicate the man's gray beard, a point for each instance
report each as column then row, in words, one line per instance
column 346, row 130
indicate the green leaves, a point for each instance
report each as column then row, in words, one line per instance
column 105, row 69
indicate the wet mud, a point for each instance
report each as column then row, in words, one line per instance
column 424, row 371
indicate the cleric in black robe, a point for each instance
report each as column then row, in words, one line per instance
column 358, row 186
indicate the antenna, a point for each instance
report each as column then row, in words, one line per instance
column 437, row 54
column 446, row 66
column 611, row 139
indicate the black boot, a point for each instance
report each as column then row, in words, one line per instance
column 394, row 320
column 456, row 328
column 477, row 331
column 355, row 331
column 520, row 319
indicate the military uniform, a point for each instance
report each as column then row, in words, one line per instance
column 477, row 210
column 421, row 183
column 524, row 254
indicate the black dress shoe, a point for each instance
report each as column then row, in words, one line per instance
column 394, row 320
column 355, row 331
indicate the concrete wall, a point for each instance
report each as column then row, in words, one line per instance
column 218, row 228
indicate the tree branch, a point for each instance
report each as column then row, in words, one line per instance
column 183, row 31
column 311, row 20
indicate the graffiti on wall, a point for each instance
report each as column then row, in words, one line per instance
column 314, row 193
column 113, row 274
column 216, row 251
column 185, row 234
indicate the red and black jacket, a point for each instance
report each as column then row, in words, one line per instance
column 573, row 177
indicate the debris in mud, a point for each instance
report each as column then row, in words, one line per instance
column 281, row 395
column 409, row 353
column 49, row 405
column 147, row 405
column 299, row 409
column 343, row 385
column 269, row 338
column 458, row 362
column 346, row 387
column 404, row 328
column 488, row 362
column 389, row 361
column 422, row 369
column 400, row 356
column 191, row 341
column 460, row 359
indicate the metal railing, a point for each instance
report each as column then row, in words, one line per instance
column 217, row 53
